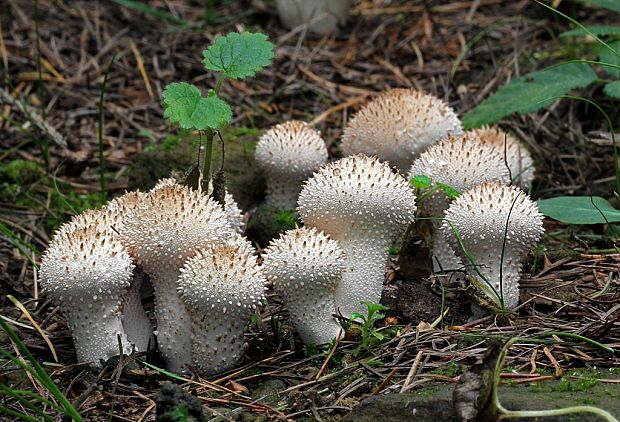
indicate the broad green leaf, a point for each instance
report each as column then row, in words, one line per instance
column 607, row 4
column 612, row 89
column 598, row 30
column 185, row 105
column 529, row 93
column 449, row 190
column 579, row 209
column 239, row 55
column 420, row 181
column 607, row 56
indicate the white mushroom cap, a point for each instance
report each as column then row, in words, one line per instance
column 221, row 287
column 398, row 125
column 305, row 267
column 168, row 226
column 514, row 152
column 459, row 162
column 485, row 217
column 86, row 271
column 289, row 153
column 359, row 202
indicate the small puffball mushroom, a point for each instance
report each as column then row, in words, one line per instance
column 516, row 155
column 221, row 287
column 87, row 272
column 398, row 125
column 459, row 162
column 488, row 218
column 359, row 202
column 305, row 267
column 166, row 228
column 289, row 153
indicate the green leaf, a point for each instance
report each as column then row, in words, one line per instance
column 598, row 30
column 612, row 89
column 357, row 315
column 607, row 56
column 239, row 55
column 185, row 105
column 529, row 93
column 449, row 190
column 607, row 4
column 421, row 181
column 579, row 209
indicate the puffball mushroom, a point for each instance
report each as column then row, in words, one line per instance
column 166, row 228
column 516, row 155
column 305, row 267
column 398, row 125
column 459, row 162
column 489, row 218
column 289, row 153
column 359, row 202
column 221, row 287
column 87, row 272
column 321, row 16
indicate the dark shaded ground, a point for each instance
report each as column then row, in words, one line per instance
column 324, row 81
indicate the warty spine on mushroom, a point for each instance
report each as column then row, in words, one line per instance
column 289, row 153
column 515, row 153
column 492, row 220
column 305, row 267
column 169, row 226
column 221, row 286
column 359, row 202
column 459, row 162
column 398, row 125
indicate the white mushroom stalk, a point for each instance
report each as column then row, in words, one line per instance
column 496, row 226
column 305, row 267
column 514, row 152
column 289, row 153
column 359, row 202
column 458, row 162
column 398, row 125
column 169, row 226
column 87, row 272
column 221, row 287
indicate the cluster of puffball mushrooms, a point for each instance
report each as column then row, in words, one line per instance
column 205, row 275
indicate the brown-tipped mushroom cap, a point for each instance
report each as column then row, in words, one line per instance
column 305, row 267
column 221, row 287
column 364, row 206
column 489, row 218
column 168, row 226
column 398, row 125
column 289, row 153
column 516, row 155
column 459, row 162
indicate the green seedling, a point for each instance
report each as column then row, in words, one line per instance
column 422, row 182
column 234, row 56
column 369, row 335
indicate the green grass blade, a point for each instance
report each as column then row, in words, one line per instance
column 19, row 396
column 18, row 415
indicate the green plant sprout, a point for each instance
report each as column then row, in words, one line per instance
column 369, row 335
column 424, row 182
column 234, row 56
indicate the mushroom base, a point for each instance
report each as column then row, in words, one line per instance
column 218, row 345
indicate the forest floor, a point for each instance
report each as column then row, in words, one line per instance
column 51, row 171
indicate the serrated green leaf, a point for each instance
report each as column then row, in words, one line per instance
column 598, row 30
column 239, row 55
column 529, row 93
column 607, row 56
column 420, row 181
column 449, row 190
column 579, row 209
column 612, row 89
column 185, row 105
column 607, row 4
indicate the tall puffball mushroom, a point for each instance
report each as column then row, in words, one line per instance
column 305, row 267
column 515, row 153
column 398, row 125
column 289, row 153
column 166, row 228
column 221, row 287
column 458, row 162
column 87, row 272
column 359, row 202
column 497, row 225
